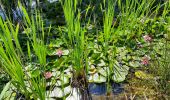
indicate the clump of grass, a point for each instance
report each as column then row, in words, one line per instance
column 13, row 58
column 109, row 6
column 76, row 35
column 10, row 58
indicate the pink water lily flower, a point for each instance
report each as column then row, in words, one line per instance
column 59, row 52
column 145, row 60
column 47, row 75
column 147, row 38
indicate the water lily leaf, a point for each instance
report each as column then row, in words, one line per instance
column 122, row 54
column 102, row 63
column 65, row 52
column 126, row 58
column 120, row 73
column 59, row 92
column 51, row 52
column 74, row 95
column 136, row 58
column 68, row 72
column 63, row 79
column 97, row 78
column 7, row 93
column 92, row 69
column 5, row 89
column 55, row 43
column 134, row 64
column 90, row 45
column 103, row 71
column 55, row 73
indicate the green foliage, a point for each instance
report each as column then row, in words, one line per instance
column 103, row 53
column 75, row 33
column 13, row 58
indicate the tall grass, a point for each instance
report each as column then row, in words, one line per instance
column 36, row 39
column 109, row 6
column 13, row 58
column 75, row 33
column 131, row 11
column 10, row 58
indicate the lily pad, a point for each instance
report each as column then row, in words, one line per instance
column 102, row 63
column 120, row 73
column 55, row 43
column 62, row 80
column 92, row 69
column 65, row 52
column 7, row 93
column 59, row 92
column 103, row 71
column 96, row 78
column 135, row 64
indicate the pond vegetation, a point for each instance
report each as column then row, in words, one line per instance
column 85, row 50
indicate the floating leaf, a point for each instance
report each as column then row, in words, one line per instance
column 63, row 79
column 102, row 63
column 97, row 78
column 7, row 93
column 55, row 43
column 58, row 92
column 92, row 69
column 134, row 64
column 65, row 52
column 5, row 89
column 120, row 73
column 103, row 71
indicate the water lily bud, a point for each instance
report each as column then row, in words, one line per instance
column 47, row 75
column 59, row 53
column 147, row 38
column 145, row 60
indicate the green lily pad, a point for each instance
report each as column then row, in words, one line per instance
column 63, row 79
column 102, row 63
column 92, row 69
column 56, row 73
column 58, row 92
column 68, row 72
column 65, row 52
column 120, row 73
column 55, row 43
column 97, row 78
column 134, row 64
column 103, row 71
column 8, row 93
